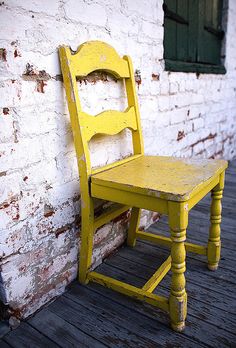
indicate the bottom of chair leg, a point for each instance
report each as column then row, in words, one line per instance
column 212, row 267
column 131, row 243
column 83, row 280
column 178, row 327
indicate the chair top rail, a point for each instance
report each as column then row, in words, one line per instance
column 96, row 55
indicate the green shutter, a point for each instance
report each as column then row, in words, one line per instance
column 170, row 30
column 193, row 29
column 210, row 33
column 192, row 35
column 182, row 31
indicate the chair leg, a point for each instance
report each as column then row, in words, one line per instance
column 133, row 226
column 87, row 233
column 214, row 243
column 178, row 221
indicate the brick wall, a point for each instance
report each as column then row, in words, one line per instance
column 182, row 114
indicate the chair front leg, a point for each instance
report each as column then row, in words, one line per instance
column 133, row 226
column 214, row 243
column 178, row 221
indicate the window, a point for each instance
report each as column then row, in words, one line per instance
column 193, row 36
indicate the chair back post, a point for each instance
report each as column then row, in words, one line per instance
column 137, row 137
column 73, row 102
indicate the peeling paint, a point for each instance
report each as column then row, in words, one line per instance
column 48, row 210
column 40, row 86
column 5, row 111
column 16, row 53
column 155, row 77
column 181, row 135
column 138, row 78
column 3, row 54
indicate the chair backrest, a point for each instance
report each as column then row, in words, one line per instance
column 92, row 56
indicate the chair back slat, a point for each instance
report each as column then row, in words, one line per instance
column 108, row 122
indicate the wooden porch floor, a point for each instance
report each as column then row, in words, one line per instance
column 93, row 316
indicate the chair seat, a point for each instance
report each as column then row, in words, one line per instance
column 170, row 178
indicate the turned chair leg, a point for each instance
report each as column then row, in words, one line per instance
column 214, row 243
column 133, row 226
column 87, row 233
column 178, row 221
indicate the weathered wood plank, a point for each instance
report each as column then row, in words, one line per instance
column 4, row 344
column 61, row 332
column 205, row 333
column 4, row 328
column 26, row 336
column 195, row 271
column 151, row 262
column 97, row 325
column 121, row 315
column 204, row 311
column 198, row 290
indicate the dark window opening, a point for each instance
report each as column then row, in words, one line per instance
column 193, row 36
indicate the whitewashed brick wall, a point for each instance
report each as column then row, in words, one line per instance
column 182, row 115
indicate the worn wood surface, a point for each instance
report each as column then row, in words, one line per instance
column 94, row 316
column 169, row 178
column 108, row 122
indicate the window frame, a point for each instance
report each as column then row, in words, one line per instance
column 179, row 65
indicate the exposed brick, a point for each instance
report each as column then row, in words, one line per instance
column 3, row 54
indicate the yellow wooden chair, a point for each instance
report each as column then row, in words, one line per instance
column 167, row 185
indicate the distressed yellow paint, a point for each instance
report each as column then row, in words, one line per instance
column 166, row 241
column 178, row 221
column 108, row 122
column 133, row 226
column 97, row 55
column 168, row 178
column 132, row 291
column 214, row 243
column 167, row 185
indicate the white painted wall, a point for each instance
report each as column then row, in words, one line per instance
column 182, row 115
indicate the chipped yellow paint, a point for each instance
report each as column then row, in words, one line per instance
column 166, row 241
column 108, row 122
column 169, row 178
column 130, row 290
column 168, row 185
column 178, row 221
column 214, row 243
column 133, row 226
column 97, row 55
